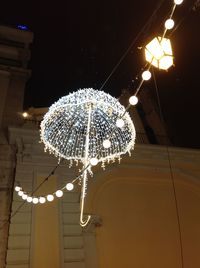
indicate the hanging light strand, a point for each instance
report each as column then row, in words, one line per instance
column 18, row 188
column 146, row 75
column 169, row 19
column 31, row 195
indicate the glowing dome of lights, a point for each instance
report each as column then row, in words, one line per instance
column 64, row 127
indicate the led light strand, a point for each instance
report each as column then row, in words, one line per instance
column 146, row 75
column 50, row 196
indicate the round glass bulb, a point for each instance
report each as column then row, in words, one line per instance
column 25, row 114
column 94, row 161
column 20, row 193
column 133, row 100
column 50, row 197
column 29, row 199
column 59, row 193
column 120, row 123
column 178, row 2
column 106, row 144
column 69, row 186
column 42, row 200
column 146, row 75
column 169, row 24
column 24, row 196
column 17, row 188
column 35, row 200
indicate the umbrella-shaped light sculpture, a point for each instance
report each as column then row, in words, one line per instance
column 88, row 126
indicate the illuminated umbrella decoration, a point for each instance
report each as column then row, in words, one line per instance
column 87, row 126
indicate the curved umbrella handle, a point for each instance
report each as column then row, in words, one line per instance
column 83, row 222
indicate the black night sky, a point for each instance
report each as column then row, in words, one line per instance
column 78, row 43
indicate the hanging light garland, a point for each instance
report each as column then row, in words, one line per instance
column 42, row 199
column 158, row 53
column 91, row 127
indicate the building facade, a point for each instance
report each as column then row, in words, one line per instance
column 14, row 57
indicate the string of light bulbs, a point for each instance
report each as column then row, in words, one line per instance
column 158, row 49
column 30, row 197
column 155, row 51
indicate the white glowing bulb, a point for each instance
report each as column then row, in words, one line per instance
column 50, row 197
column 42, row 200
column 133, row 100
column 17, row 188
column 59, row 193
column 24, row 196
column 146, row 75
column 94, row 161
column 35, row 200
column 20, row 193
column 120, row 123
column 25, row 114
column 106, row 144
column 178, row 2
column 69, row 186
column 29, row 199
column 169, row 24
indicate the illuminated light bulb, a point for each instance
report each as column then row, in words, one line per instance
column 178, row 2
column 69, row 186
column 17, row 188
column 106, row 144
column 159, row 53
column 94, row 161
column 20, row 193
column 29, row 199
column 24, row 196
column 42, row 200
column 166, row 62
column 35, row 200
column 25, row 114
column 59, row 193
column 50, row 197
column 133, row 100
column 120, row 123
column 146, row 75
column 169, row 24
column 154, row 50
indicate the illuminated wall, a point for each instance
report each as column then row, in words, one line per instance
column 135, row 201
column 46, row 229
